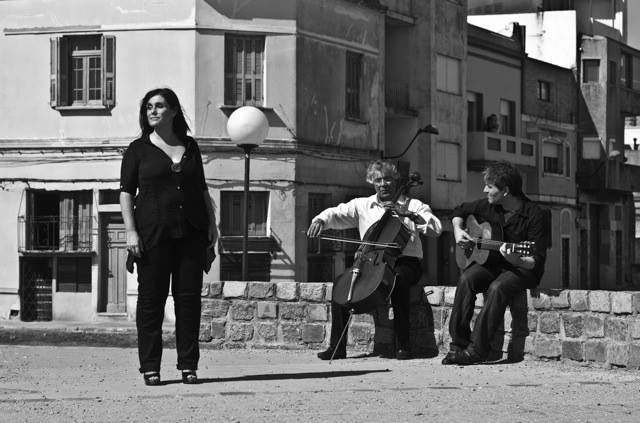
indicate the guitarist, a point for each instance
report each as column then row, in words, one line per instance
column 503, row 275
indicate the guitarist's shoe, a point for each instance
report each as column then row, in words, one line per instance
column 461, row 358
column 326, row 354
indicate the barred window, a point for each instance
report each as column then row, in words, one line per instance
column 243, row 70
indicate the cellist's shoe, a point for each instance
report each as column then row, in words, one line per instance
column 403, row 354
column 326, row 354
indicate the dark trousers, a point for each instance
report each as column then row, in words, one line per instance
column 181, row 261
column 499, row 284
column 409, row 271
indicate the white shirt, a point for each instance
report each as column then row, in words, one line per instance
column 363, row 212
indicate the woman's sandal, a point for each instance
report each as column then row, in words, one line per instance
column 151, row 378
column 189, row 377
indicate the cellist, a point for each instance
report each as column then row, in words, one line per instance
column 361, row 213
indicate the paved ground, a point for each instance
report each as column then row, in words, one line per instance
column 79, row 383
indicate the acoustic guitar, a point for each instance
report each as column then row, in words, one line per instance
column 487, row 239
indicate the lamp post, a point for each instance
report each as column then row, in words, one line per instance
column 429, row 129
column 247, row 127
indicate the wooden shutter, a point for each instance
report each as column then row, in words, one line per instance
column 59, row 72
column 108, row 70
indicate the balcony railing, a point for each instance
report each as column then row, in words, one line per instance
column 490, row 147
column 52, row 233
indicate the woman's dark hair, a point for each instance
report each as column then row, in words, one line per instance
column 504, row 174
column 180, row 126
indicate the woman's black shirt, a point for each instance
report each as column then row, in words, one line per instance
column 530, row 223
column 169, row 201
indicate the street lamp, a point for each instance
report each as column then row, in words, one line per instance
column 429, row 129
column 247, row 127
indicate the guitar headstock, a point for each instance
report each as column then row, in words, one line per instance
column 524, row 249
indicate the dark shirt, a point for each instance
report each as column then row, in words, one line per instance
column 530, row 223
column 169, row 201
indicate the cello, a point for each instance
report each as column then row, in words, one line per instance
column 370, row 281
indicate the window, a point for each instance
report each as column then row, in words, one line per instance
column 231, row 213
column 74, row 274
column 625, row 70
column 507, row 117
column 353, row 85
column 58, row 221
column 448, row 161
column 448, row 74
column 243, row 70
column 544, row 90
column 526, row 149
column 232, row 228
column 613, row 73
column 474, row 112
column 565, row 246
column 590, row 70
column 635, row 73
column 552, row 157
column 82, row 71
column 591, row 148
column 618, row 252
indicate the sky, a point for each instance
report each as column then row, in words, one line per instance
column 633, row 20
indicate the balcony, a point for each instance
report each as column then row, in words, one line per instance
column 483, row 147
column 54, row 234
column 611, row 175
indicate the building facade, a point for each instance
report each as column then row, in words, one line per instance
column 341, row 82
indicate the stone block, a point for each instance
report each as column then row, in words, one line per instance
column 380, row 316
column 214, row 308
column 560, row 299
column 234, row 289
column 317, row 312
column 361, row 334
column 595, row 350
column 547, row 347
column 261, row 290
column 449, row 295
column 267, row 332
column 573, row 350
column 635, row 328
column 205, row 332
column 313, row 333
column 289, row 333
column 541, row 301
column 214, row 289
column 437, row 297
column 240, row 332
column 550, row 322
column 243, row 310
column 594, row 326
column 291, row 311
column 573, row 325
column 218, row 330
column 600, row 301
column 616, row 329
column 618, row 354
column 634, row 356
column 439, row 318
column 328, row 292
column 287, row 291
column 266, row 310
column 532, row 321
column 579, row 300
column 622, row 302
column 313, row 292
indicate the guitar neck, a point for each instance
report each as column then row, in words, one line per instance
column 491, row 245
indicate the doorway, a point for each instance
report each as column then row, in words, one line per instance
column 113, row 272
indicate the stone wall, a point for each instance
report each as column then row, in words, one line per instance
column 591, row 327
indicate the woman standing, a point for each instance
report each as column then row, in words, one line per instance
column 170, row 223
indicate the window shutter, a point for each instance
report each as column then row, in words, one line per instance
column 55, row 66
column 108, row 70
